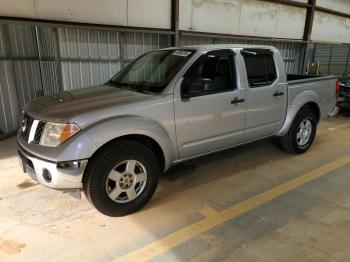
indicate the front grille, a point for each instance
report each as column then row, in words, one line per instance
column 38, row 132
column 27, row 125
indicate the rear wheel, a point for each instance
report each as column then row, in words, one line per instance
column 302, row 132
column 122, row 178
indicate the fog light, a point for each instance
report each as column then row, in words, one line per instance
column 69, row 165
column 47, row 176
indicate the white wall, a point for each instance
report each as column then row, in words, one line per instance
column 149, row 13
column 330, row 28
column 237, row 17
column 139, row 13
column 242, row 17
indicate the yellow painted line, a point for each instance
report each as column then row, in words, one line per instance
column 174, row 239
column 208, row 211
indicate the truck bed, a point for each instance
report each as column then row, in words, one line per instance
column 297, row 79
column 322, row 88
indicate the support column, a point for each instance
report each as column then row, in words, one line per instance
column 175, row 40
column 307, row 33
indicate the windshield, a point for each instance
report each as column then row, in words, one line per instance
column 152, row 72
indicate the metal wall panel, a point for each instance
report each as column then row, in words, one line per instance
column 9, row 110
column 23, row 51
column 91, row 57
column 137, row 44
column 333, row 59
column 19, row 72
column 3, row 49
column 48, row 57
column 88, row 57
column 27, row 80
column 22, row 40
column 290, row 51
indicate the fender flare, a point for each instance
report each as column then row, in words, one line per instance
column 104, row 131
column 301, row 100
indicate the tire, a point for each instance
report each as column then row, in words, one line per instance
column 107, row 175
column 290, row 141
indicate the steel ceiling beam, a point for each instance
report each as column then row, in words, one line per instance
column 65, row 24
column 332, row 12
column 309, row 20
column 289, row 2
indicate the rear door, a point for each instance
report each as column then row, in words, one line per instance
column 266, row 93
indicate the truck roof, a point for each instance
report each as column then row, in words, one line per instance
column 221, row 46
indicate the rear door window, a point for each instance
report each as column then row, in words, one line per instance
column 255, row 70
column 260, row 67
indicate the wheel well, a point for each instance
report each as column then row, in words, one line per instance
column 145, row 140
column 315, row 109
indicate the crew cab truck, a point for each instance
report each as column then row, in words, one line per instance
column 166, row 107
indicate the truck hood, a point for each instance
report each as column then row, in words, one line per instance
column 86, row 105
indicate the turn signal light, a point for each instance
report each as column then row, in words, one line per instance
column 68, row 131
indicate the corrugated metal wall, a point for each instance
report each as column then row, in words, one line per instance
column 42, row 60
column 91, row 57
column 290, row 51
column 333, row 59
column 18, row 73
column 39, row 60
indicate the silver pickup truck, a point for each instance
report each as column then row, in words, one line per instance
column 166, row 107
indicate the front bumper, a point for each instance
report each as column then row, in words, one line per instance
column 57, row 175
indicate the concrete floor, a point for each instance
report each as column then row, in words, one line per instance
column 247, row 204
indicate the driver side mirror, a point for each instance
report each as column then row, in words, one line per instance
column 196, row 87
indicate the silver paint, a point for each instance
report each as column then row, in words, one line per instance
column 183, row 129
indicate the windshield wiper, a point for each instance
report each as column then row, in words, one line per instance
column 112, row 83
column 140, row 86
column 137, row 86
column 118, row 84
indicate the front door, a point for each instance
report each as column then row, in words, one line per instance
column 209, row 106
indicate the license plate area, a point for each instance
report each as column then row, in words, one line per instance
column 24, row 162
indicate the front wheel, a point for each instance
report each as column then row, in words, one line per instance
column 122, row 178
column 302, row 132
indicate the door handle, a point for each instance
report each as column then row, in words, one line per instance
column 278, row 93
column 237, row 100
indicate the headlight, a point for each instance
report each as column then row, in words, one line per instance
column 56, row 133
